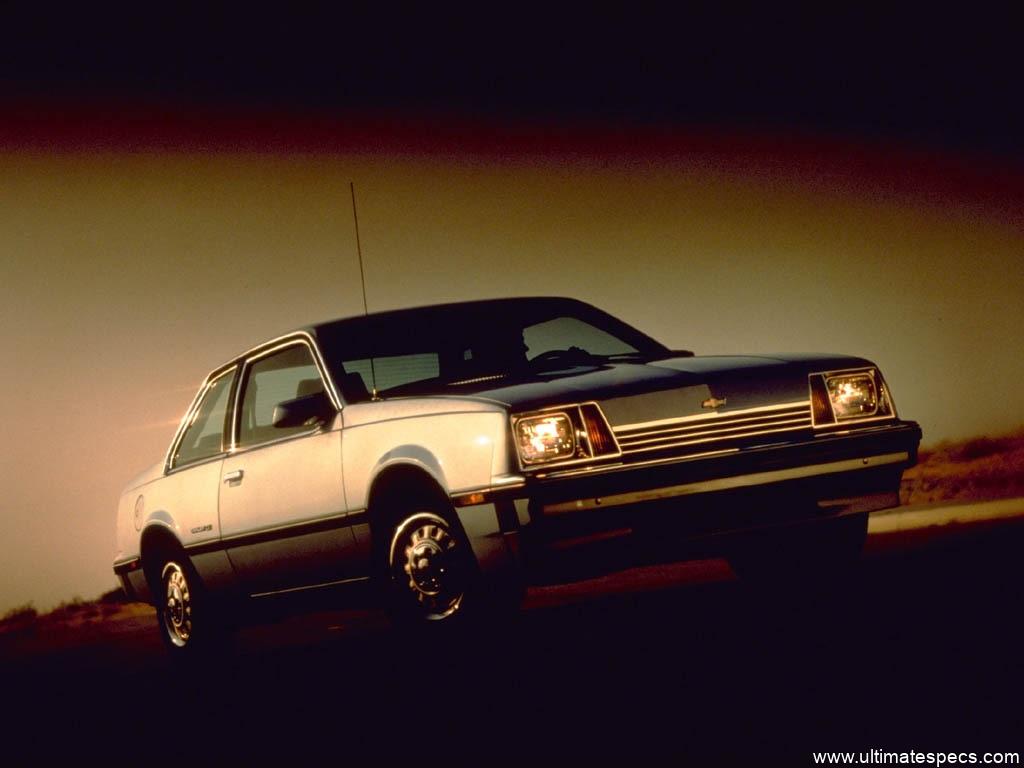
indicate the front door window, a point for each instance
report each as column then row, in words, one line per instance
column 204, row 436
column 283, row 375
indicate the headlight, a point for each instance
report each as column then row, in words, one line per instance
column 852, row 396
column 545, row 438
column 849, row 395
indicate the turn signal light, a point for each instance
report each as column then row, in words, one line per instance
column 601, row 440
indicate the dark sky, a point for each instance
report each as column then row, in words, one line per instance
column 935, row 81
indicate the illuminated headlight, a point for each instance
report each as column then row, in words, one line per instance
column 848, row 396
column 852, row 396
column 545, row 438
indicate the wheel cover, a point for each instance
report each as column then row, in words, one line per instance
column 427, row 561
column 177, row 607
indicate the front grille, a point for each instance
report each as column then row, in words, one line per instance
column 712, row 431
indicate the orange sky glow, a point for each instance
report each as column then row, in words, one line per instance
column 137, row 258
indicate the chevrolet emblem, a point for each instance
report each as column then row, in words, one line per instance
column 713, row 402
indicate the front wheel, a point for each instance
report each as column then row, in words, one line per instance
column 430, row 567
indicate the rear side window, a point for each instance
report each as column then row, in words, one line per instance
column 283, row 375
column 204, row 436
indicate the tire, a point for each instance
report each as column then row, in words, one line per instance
column 188, row 625
column 430, row 569
column 810, row 555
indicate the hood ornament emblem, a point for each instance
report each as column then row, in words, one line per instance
column 713, row 402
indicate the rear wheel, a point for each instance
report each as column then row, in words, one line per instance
column 188, row 626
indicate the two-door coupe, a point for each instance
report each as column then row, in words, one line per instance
column 449, row 454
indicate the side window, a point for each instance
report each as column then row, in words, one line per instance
column 204, row 436
column 284, row 375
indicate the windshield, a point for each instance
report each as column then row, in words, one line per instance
column 462, row 347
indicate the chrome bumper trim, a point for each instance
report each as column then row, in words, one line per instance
column 726, row 483
column 127, row 565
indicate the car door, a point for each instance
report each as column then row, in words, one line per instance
column 186, row 498
column 282, row 505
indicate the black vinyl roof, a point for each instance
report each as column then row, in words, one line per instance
column 492, row 322
column 467, row 310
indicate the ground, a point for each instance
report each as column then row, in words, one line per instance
column 968, row 470
column 919, row 650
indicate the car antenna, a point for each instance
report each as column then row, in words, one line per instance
column 362, row 280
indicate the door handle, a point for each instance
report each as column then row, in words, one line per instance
column 234, row 477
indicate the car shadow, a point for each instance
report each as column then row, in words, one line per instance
column 917, row 649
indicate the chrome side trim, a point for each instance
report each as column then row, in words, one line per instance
column 727, row 483
column 301, row 524
column 275, row 532
column 339, row 582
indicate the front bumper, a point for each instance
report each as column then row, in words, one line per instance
column 546, row 517
column 132, row 578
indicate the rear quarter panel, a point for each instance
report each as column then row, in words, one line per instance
column 185, row 504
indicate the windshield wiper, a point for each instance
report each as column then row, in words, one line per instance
column 556, row 357
column 624, row 356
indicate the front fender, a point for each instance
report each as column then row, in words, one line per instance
column 411, row 455
column 456, row 450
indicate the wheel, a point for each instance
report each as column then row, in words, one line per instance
column 187, row 626
column 809, row 555
column 430, row 568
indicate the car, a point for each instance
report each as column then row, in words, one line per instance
column 446, row 456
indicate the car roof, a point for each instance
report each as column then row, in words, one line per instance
column 425, row 313
column 482, row 306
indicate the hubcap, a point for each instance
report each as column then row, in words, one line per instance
column 177, row 610
column 427, row 559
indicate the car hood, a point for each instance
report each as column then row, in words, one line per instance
column 631, row 392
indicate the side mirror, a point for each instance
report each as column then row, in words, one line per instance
column 306, row 411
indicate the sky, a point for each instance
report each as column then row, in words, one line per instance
column 155, row 220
